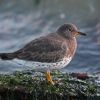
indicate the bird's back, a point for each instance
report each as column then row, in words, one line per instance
column 50, row 48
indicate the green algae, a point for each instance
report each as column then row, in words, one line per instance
column 34, row 85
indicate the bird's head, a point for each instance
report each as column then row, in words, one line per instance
column 69, row 31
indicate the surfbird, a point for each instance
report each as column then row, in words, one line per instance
column 53, row 51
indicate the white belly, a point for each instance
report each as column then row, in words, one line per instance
column 44, row 65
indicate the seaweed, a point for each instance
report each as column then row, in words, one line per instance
column 32, row 85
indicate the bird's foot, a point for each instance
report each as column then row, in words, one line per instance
column 49, row 77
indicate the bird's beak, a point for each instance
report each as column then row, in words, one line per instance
column 81, row 33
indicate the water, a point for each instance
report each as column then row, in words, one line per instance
column 22, row 20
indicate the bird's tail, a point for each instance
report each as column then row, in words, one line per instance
column 7, row 56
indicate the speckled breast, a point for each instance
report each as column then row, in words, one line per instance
column 43, row 65
column 56, row 65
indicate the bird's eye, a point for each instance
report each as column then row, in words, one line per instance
column 69, row 29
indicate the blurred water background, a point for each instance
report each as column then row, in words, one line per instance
column 23, row 20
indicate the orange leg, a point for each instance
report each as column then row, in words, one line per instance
column 49, row 77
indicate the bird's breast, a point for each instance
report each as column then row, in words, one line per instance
column 71, row 47
column 44, row 65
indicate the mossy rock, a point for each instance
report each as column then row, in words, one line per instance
column 31, row 85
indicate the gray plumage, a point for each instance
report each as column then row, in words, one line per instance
column 51, row 48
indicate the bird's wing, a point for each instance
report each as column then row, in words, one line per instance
column 43, row 50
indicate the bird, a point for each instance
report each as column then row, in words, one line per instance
column 52, row 51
